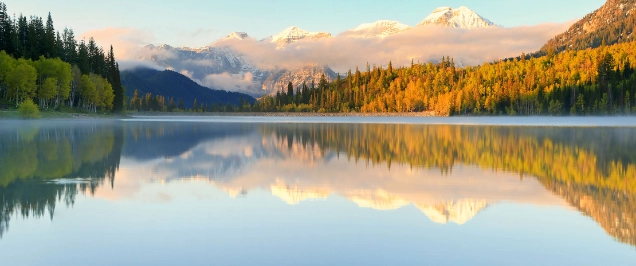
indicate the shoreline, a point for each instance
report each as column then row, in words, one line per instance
column 56, row 115
column 282, row 114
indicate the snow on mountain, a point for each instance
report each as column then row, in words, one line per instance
column 237, row 35
column 461, row 17
column 308, row 74
column 293, row 34
column 199, row 63
column 378, row 29
column 220, row 58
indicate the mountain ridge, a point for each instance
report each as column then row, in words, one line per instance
column 612, row 23
column 221, row 58
column 171, row 84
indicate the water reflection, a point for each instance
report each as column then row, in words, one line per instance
column 43, row 164
column 449, row 173
column 593, row 169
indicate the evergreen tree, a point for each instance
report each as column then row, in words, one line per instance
column 69, row 51
column 180, row 105
column 171, row 104
column 290, row 90
column 115, row 79
column 22, row 50
column 49, row 48
column 82, row 58
column 7, row 42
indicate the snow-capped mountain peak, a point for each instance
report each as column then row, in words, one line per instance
column 294, row 33
column 236, row 35
column 462, row 17
column 380, row 28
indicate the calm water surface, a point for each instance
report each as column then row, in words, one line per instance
column 319, row 191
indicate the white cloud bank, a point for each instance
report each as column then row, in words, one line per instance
column 341, row 53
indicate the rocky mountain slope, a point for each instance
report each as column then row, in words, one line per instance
column 308, row 74
column 614, row 22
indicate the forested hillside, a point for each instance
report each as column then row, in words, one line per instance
column 53, row 68
column 565, row 78
column 594, row 81
column 150, row 89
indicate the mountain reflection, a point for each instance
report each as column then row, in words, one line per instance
column 593, row 169
column 449, row 173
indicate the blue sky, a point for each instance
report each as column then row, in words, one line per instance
column 197, row 23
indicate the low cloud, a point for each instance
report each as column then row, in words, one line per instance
column 341, row 53
column 470, row 47
column 134, row 64
column 232, row 82
column 186, row 73
column 126, row 42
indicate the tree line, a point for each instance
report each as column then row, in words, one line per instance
column 592, row 81
column 53, row 68
column 158, row 103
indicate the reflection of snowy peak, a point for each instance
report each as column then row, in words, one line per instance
column 293, row 194
column 459, row 212
column 380, row 28
column 461, row 17
column 293, row 34
column 378, row 200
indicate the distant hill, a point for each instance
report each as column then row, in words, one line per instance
column 172, row 84
column 614, row 22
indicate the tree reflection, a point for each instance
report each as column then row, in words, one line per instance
column 42, row 164
column 594, row 169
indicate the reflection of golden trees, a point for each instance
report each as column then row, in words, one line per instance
column 596, row 162
column 584, row 156
column 615, row 211
column 30, row 156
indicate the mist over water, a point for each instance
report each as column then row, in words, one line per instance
column 319, row 190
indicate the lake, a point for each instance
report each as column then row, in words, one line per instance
column 319, row 191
